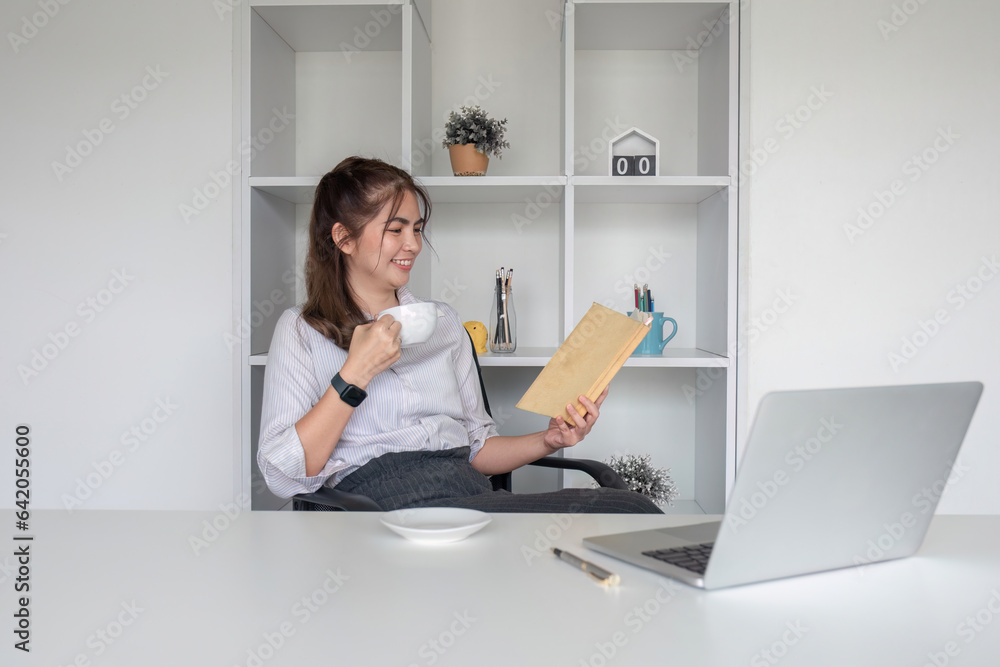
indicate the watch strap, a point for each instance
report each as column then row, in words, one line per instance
column 349, row 393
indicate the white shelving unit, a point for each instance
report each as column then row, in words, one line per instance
column 378, row 78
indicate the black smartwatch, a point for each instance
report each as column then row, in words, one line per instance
column 349, row 393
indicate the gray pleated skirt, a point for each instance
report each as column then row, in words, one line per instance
column 446, row 478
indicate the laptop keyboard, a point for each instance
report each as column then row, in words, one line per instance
column 693, row 557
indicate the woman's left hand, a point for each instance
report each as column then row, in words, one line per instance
column 560, row 434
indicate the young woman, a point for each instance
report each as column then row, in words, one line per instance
column 345, row 406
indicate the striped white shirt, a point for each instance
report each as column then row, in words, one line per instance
column 429, row 399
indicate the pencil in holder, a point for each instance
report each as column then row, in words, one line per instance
column 503, row 319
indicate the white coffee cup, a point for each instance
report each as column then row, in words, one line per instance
column 419, row 321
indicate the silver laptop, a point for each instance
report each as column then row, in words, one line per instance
column 830, row 478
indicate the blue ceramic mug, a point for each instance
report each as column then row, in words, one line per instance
column 654, row 342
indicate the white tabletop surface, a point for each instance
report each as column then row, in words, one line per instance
column 127, row 588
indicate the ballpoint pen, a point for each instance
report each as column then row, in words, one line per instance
column 599, row 573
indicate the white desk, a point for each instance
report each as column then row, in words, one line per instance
column 484, row 601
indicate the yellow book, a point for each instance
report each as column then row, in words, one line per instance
column 584, row 364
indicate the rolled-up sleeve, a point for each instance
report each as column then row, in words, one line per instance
column 480, row 425
column 291, row 389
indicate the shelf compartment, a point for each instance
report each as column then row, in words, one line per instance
column 617, row 245
column 512, row 69
column 294, row 189
column 661, row 414
column 310, row 26
column 493, row 189
column 679, row 357
column 667, row 68
column 648, row 189
column 607, row 25
column 305, row 60
column 521, row 357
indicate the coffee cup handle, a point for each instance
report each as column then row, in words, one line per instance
column 672, row 333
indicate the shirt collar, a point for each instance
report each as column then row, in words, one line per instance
column 404, row 297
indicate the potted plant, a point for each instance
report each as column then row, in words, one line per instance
column 471, row 137
column 643, row 477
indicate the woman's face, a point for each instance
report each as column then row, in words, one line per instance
column 380, row 262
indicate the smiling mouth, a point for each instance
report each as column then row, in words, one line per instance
column 403, row 263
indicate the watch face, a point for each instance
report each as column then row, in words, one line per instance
column 353, row 395
column 349, row 393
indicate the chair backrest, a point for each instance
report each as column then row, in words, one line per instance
column 502, row 480
column 479, row 370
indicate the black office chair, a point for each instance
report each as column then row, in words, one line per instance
column 335, row 499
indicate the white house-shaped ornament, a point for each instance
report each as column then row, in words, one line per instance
column 634, row 153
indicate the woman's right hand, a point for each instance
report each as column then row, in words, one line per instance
column 374, row 347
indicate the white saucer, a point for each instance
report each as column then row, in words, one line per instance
column 435, row 524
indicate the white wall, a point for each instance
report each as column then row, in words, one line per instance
column 157, row 337
column 890, row 94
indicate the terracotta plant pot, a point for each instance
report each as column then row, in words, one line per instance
column 467, row 161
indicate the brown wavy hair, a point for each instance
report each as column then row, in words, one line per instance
column 352, row 194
